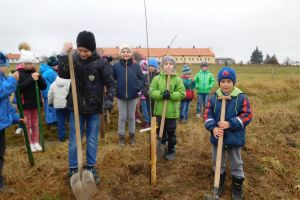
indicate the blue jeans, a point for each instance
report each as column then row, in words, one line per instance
column 62, row 116
column 184, row 109
column 201, row 103
column 145, row 111
column 92, row 123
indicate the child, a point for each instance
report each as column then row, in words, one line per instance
column 57, row 97
column 48, row 71
column 204, row 83
column 8, row 114
column 238, row 116
column 153, row 71
column 28, row 76
column 189, row 85
column 91, row 74
column 145, row 96
column 174, row 96
column 130, row 80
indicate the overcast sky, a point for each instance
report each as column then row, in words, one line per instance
column 232, row 28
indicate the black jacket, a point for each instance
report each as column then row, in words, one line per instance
column 91, row 75
column 27, row 88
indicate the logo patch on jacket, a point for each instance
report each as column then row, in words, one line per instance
column 92, row 77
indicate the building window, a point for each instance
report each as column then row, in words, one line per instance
column 208, row 59
column 200, row 59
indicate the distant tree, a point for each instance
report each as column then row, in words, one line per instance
column 273, row 60
column 287, row 62
column 256, row 57
column 267, row 59
column 241, row 63
column 194, row 47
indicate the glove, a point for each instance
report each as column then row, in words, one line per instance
column 108, row 105
column 166, row 95
column 145, row 93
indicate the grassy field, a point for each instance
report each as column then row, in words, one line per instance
column 271, row 155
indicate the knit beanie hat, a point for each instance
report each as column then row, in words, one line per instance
column 204, row 64
column 153, row 62
column 227, row 73
column 87, row 40
column 52, row 61
column 168, row 59
column 125, row 46
column 3, row 60
column 186, row 70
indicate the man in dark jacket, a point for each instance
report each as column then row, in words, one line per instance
column 91, row 74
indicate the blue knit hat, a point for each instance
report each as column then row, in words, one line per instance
column 227, row 73
column 186, row 70
column 3, row 60
column 153, row 62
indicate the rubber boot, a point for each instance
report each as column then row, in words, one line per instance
column 237, row 188
column 221, row 185
column 132, row 138
column 121, row 140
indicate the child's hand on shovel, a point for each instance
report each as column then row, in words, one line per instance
column 218, row 132
column 23, row 120
column 68, row 46
column 224, row 125
column 35, row 76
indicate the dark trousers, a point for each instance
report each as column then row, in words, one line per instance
column 169, row 133
column 2, row 150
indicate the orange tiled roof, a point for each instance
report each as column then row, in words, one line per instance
column 160, row 52
column 13, row 56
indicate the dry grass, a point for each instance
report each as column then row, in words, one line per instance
column 271, row 155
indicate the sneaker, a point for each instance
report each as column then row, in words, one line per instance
column 95, row 174
column 33, row 148
column 198, row 116
column 38, row 147
column 170, row 156
column 71, row 172
column 138, row 121
column 19, row 131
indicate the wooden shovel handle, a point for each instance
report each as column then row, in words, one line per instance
column 163, row 117
column 219, row 150
column 76, row 114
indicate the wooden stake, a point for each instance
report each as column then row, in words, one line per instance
column 153, row 151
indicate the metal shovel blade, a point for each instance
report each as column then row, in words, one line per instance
column 85, row 188
column 160, row 150
column 214, row 196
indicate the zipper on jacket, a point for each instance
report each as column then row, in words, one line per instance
column 126, row 79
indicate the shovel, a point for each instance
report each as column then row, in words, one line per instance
column 215, row 196
column 160, row 147
column 82, row 182
column 41, row 130
column 25, row 134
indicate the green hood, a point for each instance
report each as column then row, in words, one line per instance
column 236, row 91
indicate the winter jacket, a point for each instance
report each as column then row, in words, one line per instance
column 91, row 75
column 188, row 83
column 205, row 81
column 8, row 114
column 238, row 114
column 28, row 90
column 49, row 76
column 177, row 91
column 58, row 92
column 130, row 79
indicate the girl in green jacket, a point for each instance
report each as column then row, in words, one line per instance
column 174, row 96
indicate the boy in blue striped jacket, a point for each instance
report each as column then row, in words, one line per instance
column 238, row 116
